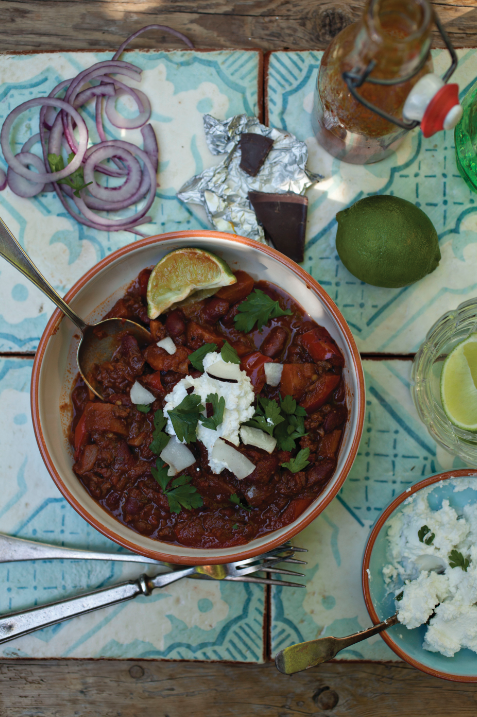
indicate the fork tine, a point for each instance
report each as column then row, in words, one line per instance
column 293, row 560
column 288, row 553
column 280, row 571
column 298, row 550
column 267, row 581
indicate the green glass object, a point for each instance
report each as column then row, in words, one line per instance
column 466, row 139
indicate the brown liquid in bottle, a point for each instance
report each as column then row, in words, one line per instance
column 396, row 35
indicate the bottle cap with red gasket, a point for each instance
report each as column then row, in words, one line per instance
column 434, row 104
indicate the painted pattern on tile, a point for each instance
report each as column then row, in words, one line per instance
column 422, row 171
column 395, row 452
column 182, row 86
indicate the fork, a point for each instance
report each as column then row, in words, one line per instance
column 22, row 623
column 18, row 549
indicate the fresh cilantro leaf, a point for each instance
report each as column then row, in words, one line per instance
column 143, row 407
column 267, row 415
column 75, row 180
column 183, row 495
column 229, row 354
column 423, row 532
column 180, row 494
column 298, row 463
column 159, row 473
column 218, row 405
column 235, row 526
column 237, row 501
column 185, row 418
column 197, row 358
column 400, row 596
column 457, row 560
column 258, row 308
column 288, row 404
column 159, row 438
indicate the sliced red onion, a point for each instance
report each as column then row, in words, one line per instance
column 116, row 194
column 20, row 185
column 30, row 143
column 85, row 95
column 163, row 28
column 150, row 145
column 13, row 161
column 59, row 118
column 124, row 122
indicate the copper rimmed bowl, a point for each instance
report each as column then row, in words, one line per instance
column 408, row 644
column 54, row 371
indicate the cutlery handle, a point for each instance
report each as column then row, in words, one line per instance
column 16, row 549
column 22, row 623
column 12, row 251
column 349, row 640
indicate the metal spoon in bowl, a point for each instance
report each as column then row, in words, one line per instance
column 99, row 341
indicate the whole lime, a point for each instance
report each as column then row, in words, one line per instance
column 387, row 241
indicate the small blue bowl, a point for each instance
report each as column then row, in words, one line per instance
column 407, row 644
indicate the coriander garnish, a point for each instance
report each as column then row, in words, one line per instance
column 457, row 560
column 218, row 405
column 237, row 501
column 228, row 354
column 298, row 463
column 181, row 493
column 185, row 418
column 423, row 532
column 159, row 438
column 258, row 308
column 197, row 358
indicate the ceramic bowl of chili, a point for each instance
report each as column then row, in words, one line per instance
column 55, row 373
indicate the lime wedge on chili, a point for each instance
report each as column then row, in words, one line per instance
column 183, row 272
column 459, row 384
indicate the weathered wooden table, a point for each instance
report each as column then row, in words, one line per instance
column 65, row 688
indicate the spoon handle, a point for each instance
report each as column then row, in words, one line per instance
column 13, row 550
column 11, row 250
column 349, row 640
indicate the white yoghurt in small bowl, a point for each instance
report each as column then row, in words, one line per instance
column 421, row 562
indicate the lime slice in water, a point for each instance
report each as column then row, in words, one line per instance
column 183, row 272
column 459, row 384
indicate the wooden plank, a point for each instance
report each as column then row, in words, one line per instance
column 34, row 25
column 132, row 689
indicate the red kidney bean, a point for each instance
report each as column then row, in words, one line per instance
column 215, row 309
column 175, row 323
column 274, row 343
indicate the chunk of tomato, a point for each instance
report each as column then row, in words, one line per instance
column 253, row 365
column 321, row 346
column 153, row 381
column 238, row 291
column 296, row 377
column 320, row 392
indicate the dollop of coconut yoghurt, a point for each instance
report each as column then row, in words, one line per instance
column 433, row 570
column 239, row 398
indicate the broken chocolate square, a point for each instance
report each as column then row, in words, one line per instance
column 283, row 218
column 255, row 149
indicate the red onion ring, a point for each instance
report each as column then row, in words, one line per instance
column 124, row 122
column 23, row 187
column 13, row 161
column 59, row 117
column 116, row 194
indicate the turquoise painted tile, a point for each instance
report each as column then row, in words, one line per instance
column 422, row 171
column 191, row 620
column 182, row 86
column 395, row 452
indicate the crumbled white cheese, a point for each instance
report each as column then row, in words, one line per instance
column 140, row 395
column 168, row 345
column 432, row 589
column 239, row 398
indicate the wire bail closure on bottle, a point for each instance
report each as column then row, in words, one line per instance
column 356, row 78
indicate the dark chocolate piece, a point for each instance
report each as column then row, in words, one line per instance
column 255, row 149
column 283, row 218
